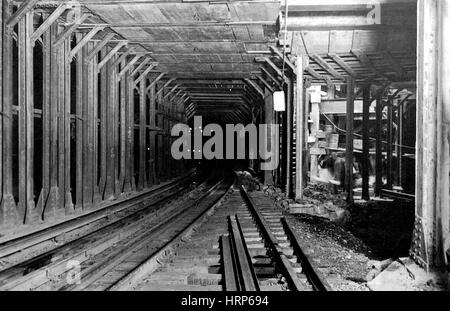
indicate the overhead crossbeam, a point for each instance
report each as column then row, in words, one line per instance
column 20, row 13
column 155, row 80
column 144, row 74
column 343, row 64
column 394, row 63
column 322, row 63
column 267, row 85
column 255, row 86
column 128, row 66
column 171, row 91
column 271, row 76
column 284, row 58
column 121, row 57
column 70, row 29
column 49, row 21
column 164, row 86
column 140, row 66
column 85, row 40
column 99, row 46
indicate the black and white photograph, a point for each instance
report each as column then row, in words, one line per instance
column 225, row 153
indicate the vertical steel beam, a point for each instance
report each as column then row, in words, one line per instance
column 365, row 138
column 123, row 131
column 9, row 215
column 26, row 114
column 152, row 114
column 389, row 149
column 79, row 124
column 142, row 134
column 269, row 119
column 379, row 154
column 299, row 115
column 289, row 138
column 349, row 140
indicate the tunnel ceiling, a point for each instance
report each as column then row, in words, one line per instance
column 221, row 55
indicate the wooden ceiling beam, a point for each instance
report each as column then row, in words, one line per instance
column 343, row 64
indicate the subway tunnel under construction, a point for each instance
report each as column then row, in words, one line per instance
column 211, row 145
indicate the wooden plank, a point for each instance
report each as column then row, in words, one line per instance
column 366, row 146
column 299, row 139
column 378, row 154
column 349, row 140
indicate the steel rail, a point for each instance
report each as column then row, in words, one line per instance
column 244, row 273
column 314, row 276
column 272, row 243
column 152, row 262
column 20, row 243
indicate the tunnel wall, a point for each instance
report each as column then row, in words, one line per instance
column 76, row 130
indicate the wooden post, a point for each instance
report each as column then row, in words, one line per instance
column 366, row 146
column 9, row 215
column 123, row 132
column 379, row 145
column 389, row 149
column 300, row 135
column 349, row 139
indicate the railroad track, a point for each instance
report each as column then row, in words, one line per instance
column 262, row 225
column 246, row 244
column 116, row 244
